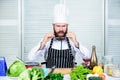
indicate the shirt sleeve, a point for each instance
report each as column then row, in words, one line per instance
column 82, row 51
column 35, row 54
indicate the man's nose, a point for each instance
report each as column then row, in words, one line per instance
column 61, row 28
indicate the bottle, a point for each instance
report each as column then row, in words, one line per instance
column 93, row 60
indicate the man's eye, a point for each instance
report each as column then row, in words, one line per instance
column 58, row 25
column 63, row 26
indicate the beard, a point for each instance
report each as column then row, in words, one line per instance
column 57, row 33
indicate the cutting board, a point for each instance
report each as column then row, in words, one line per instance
column 63, row 70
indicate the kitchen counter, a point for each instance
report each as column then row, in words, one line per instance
column 7, row 78
column 66, row 77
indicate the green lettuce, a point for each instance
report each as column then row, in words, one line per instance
column 16, row 68
column 25, row 75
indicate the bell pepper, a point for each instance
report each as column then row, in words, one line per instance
column 97, row 70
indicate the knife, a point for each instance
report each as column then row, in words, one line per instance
column 52, row 69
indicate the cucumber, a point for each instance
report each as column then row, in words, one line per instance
column 94, row 78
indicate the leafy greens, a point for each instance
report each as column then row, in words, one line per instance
column 80, row 72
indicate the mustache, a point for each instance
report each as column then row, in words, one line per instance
column 56, row 33
column 61, row 32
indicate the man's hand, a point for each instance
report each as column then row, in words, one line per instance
column 47, row 37
column 72, row 36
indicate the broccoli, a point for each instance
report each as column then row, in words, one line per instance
column 37, row 73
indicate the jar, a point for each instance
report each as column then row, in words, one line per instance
column 108, row 64
column 116, row 71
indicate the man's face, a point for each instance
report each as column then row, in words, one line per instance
column 60, row 29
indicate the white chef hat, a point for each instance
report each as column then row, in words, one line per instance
column 60, row 13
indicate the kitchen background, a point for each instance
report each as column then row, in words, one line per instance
column 23, row 23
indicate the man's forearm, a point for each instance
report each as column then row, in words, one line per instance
column 76, row 44
column 42, row 45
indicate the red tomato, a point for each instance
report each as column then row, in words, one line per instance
column 102, row 76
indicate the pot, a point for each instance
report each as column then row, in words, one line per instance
column 32, row 64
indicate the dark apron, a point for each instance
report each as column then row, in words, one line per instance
column 60, row 58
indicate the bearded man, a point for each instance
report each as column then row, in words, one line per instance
column 60, row 46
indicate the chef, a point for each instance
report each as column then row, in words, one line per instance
column 60, row 46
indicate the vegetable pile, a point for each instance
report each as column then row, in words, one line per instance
column 54, row 76
column 34, row 73
column 80, row 72
column 98, row 70
column 97, row 74
column 15, row 69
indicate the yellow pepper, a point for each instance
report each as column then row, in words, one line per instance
column 97, row 70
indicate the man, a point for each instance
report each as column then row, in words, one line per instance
column 60, row 46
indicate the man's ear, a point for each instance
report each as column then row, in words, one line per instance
column 67, row 25
column 53, row 24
